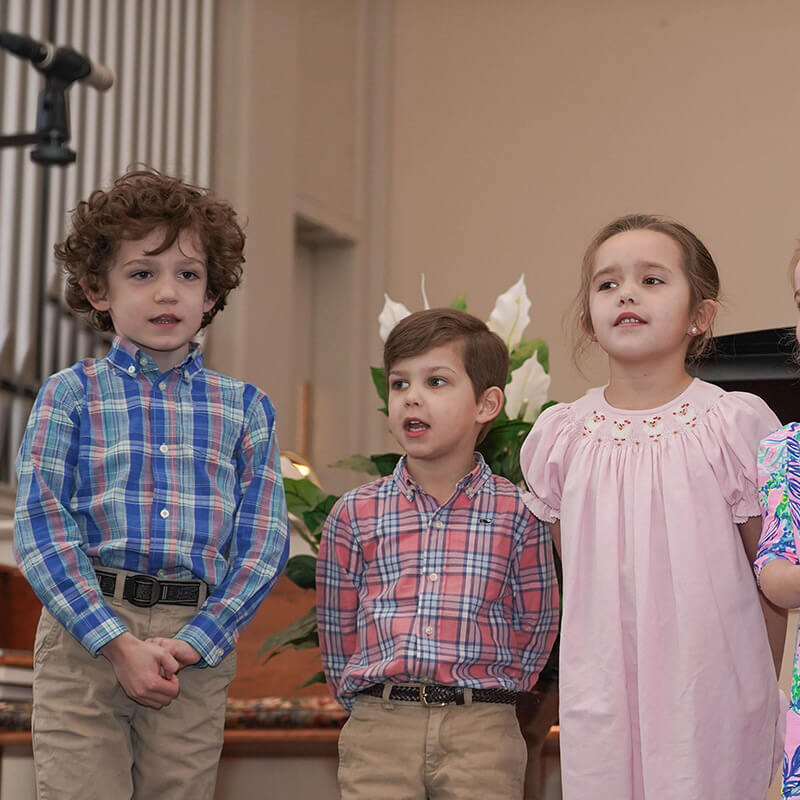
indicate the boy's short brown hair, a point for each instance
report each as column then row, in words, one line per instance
column 137, row 203
column 484, row 353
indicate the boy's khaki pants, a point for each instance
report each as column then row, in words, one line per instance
column 395, row 750
column 90, row 740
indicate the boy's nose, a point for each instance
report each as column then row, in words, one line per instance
column 166, row 292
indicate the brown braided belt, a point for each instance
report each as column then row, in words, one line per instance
column 434, row 694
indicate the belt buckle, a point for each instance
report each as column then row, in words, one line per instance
column 424, row 700
column 147, row 580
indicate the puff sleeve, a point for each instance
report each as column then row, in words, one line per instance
column 543, row 459
column 736, row 425
column 778, row 487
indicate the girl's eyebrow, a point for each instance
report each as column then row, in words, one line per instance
column 602, row 273
column 652, row 265
column 613, row 268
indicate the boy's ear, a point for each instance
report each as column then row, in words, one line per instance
column 97, row 297
column 209, row 303
column 490, row 404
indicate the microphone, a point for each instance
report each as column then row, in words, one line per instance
column 62, row 62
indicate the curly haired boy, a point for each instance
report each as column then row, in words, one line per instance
column 150, row 518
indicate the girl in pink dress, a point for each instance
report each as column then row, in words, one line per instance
column 667, row 680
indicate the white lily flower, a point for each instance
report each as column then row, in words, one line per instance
column 391, row 314
column 509, row 317
column 526, row 392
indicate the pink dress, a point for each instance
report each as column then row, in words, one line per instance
column 667, row 686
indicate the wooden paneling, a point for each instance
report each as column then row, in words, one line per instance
column 21, row 609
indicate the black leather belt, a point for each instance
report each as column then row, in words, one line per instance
column 434, row 694
column 145, row 590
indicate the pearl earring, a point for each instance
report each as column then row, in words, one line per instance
column 694, row 330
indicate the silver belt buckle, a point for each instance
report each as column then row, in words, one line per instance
column 424, row 700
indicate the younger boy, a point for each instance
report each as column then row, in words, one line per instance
column 436, row 594
column 150, row 516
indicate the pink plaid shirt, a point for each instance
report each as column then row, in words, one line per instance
column 410, row 591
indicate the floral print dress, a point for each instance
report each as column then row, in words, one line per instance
column 779, row 492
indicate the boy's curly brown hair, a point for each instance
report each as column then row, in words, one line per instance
column 137, row 203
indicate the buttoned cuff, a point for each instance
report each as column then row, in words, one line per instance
column 101, row 634
column 208, row 638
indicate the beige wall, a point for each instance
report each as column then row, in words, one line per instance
column 519, row 128
column 474, row 141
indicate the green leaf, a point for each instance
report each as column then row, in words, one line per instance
column 521, row 353
column 299, row 635
column 501, row 448
column 357, row 463
column 543, row 355
column 315, row 518
column 385, row 463
column 302, row 571
column 317, row 677
column 379, row 379
column 302, row 494
column 460, row 303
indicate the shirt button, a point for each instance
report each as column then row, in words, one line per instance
column 162, row 573
column 164, row 449
column 131, row 369
column 162, row 386
column 164, row 513
column 433, row 577
column 429, row 631
column 438, row 524
column 142, row 360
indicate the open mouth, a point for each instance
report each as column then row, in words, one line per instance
column 165, row 319
column 629, row 319
column 415, row 425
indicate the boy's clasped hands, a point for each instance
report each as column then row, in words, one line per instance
column 147, row 669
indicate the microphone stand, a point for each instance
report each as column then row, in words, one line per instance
column 52, row 126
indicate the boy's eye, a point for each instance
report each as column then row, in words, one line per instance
column 398, row 384
column 190, row 275
column 436, row 381
column 605, row 285
column 141, row 274
column 651, row 280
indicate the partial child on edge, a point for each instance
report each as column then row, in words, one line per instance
column 150, row 517
column 437, row 599
column 667, row 679
column 779, row 550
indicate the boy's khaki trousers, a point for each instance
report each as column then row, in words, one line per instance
column 90, row 740
column 396, row 750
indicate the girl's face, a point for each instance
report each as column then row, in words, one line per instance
column 640, row 298
column 797, row 299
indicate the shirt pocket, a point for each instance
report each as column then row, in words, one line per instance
column 478, row 558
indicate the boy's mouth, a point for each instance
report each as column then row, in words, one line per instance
column 165, row 319
column 414, row 425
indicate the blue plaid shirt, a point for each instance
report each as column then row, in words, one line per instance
column 175, row 474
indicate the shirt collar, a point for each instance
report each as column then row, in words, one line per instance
column 129, row 358
column 470, row 484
